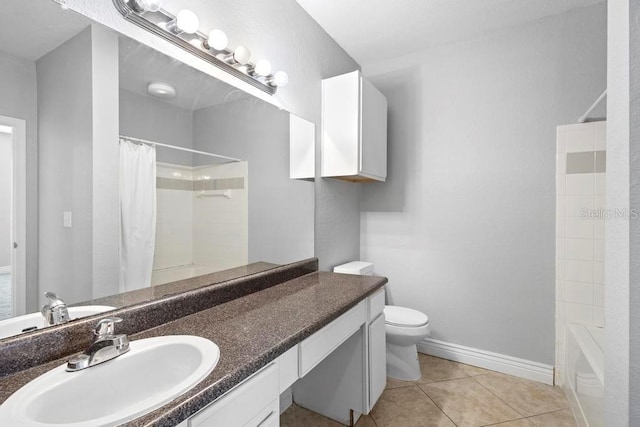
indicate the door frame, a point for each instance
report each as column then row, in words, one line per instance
column 19, row 212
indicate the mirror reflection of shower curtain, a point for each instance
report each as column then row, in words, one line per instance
column 137, row 214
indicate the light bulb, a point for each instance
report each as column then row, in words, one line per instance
column 187, row 21
column 154, row 5
column 262, row 68
column 217, row 40
column 146, row 5
column 280, row 79
column 242, row 55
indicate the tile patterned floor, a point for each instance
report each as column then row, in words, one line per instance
column 452, row 394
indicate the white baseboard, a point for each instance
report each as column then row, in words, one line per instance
column 5, row 270
column 485, row 359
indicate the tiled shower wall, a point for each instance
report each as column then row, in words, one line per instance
column 192, row 229
column 580, row 221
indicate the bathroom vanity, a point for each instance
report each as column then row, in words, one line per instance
column 317, row 337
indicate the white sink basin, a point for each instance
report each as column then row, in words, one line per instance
column 20, row 324
column 154, row 372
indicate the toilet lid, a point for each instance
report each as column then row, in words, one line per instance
column 403, row 316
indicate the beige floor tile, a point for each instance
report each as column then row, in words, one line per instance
column 365, row 421
column 296, row 416
column 522, row 422
column 563, row 418
column 527, row 397
column 468, row 403
column 408, row 407
column 435, row 369
column 473, row 370
column 394, row 383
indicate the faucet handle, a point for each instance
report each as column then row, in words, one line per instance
column 106, row 326
column 54, row 300
column 55, row 312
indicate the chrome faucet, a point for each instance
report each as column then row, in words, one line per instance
column 55, row 312
column 107, row 346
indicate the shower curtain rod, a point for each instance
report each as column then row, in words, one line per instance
column 583, row 118
column 145, row 141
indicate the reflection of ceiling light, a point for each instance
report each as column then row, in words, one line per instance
column 6, row 129
column 177, row 174
column 161, row 90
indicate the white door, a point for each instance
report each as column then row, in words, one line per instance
column 12, row 216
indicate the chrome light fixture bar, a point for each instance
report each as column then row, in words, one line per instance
column 182, row 30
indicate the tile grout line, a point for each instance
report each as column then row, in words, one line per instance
column 437, row 406
column 502, row 400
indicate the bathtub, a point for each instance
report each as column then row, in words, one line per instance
column 585, row 374
column 167, row 275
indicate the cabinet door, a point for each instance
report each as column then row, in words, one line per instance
column 373, row 136
column 250, row 399
column 377, row 360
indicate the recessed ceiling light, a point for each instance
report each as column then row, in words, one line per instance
column 161, row 90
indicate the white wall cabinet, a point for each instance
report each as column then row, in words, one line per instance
column 302, row 148
column 354, row 129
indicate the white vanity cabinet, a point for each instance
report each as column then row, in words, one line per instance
column 354, row 129
column 252, row 403
column 351, row 374
column 339, row 371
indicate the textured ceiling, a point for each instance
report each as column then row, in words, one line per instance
column 30, row 29
column 375, row 30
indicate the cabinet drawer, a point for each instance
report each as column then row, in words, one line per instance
column 319, row 345
column 288, row 368
column 375, row 305
column 243, row 403
column 268, row 417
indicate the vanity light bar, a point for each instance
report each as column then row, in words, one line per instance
column 182, row 30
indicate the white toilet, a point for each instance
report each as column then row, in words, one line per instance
column 405, row 328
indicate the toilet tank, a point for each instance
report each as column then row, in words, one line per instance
column 355, row 267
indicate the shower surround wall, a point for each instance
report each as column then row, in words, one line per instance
column 197, row 224
column 581, row 215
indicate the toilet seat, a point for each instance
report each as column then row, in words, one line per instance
column 404, row 317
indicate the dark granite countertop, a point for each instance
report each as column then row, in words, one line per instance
column 251, row 332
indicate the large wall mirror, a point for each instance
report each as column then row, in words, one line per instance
column 72, row 94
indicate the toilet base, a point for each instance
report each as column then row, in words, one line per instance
column 402, row 362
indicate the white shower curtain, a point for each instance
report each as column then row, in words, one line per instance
column 137, row 214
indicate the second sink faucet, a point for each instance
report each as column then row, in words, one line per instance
column 106, row 346
column 55, row 311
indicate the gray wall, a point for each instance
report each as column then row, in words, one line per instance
column 65, row 155
column 105, row 163
column 281, row 210
column 19, row 100
column 148, row 118
column 464, row 228
column 6, row 179
column 617, row 244
column 78, row 152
